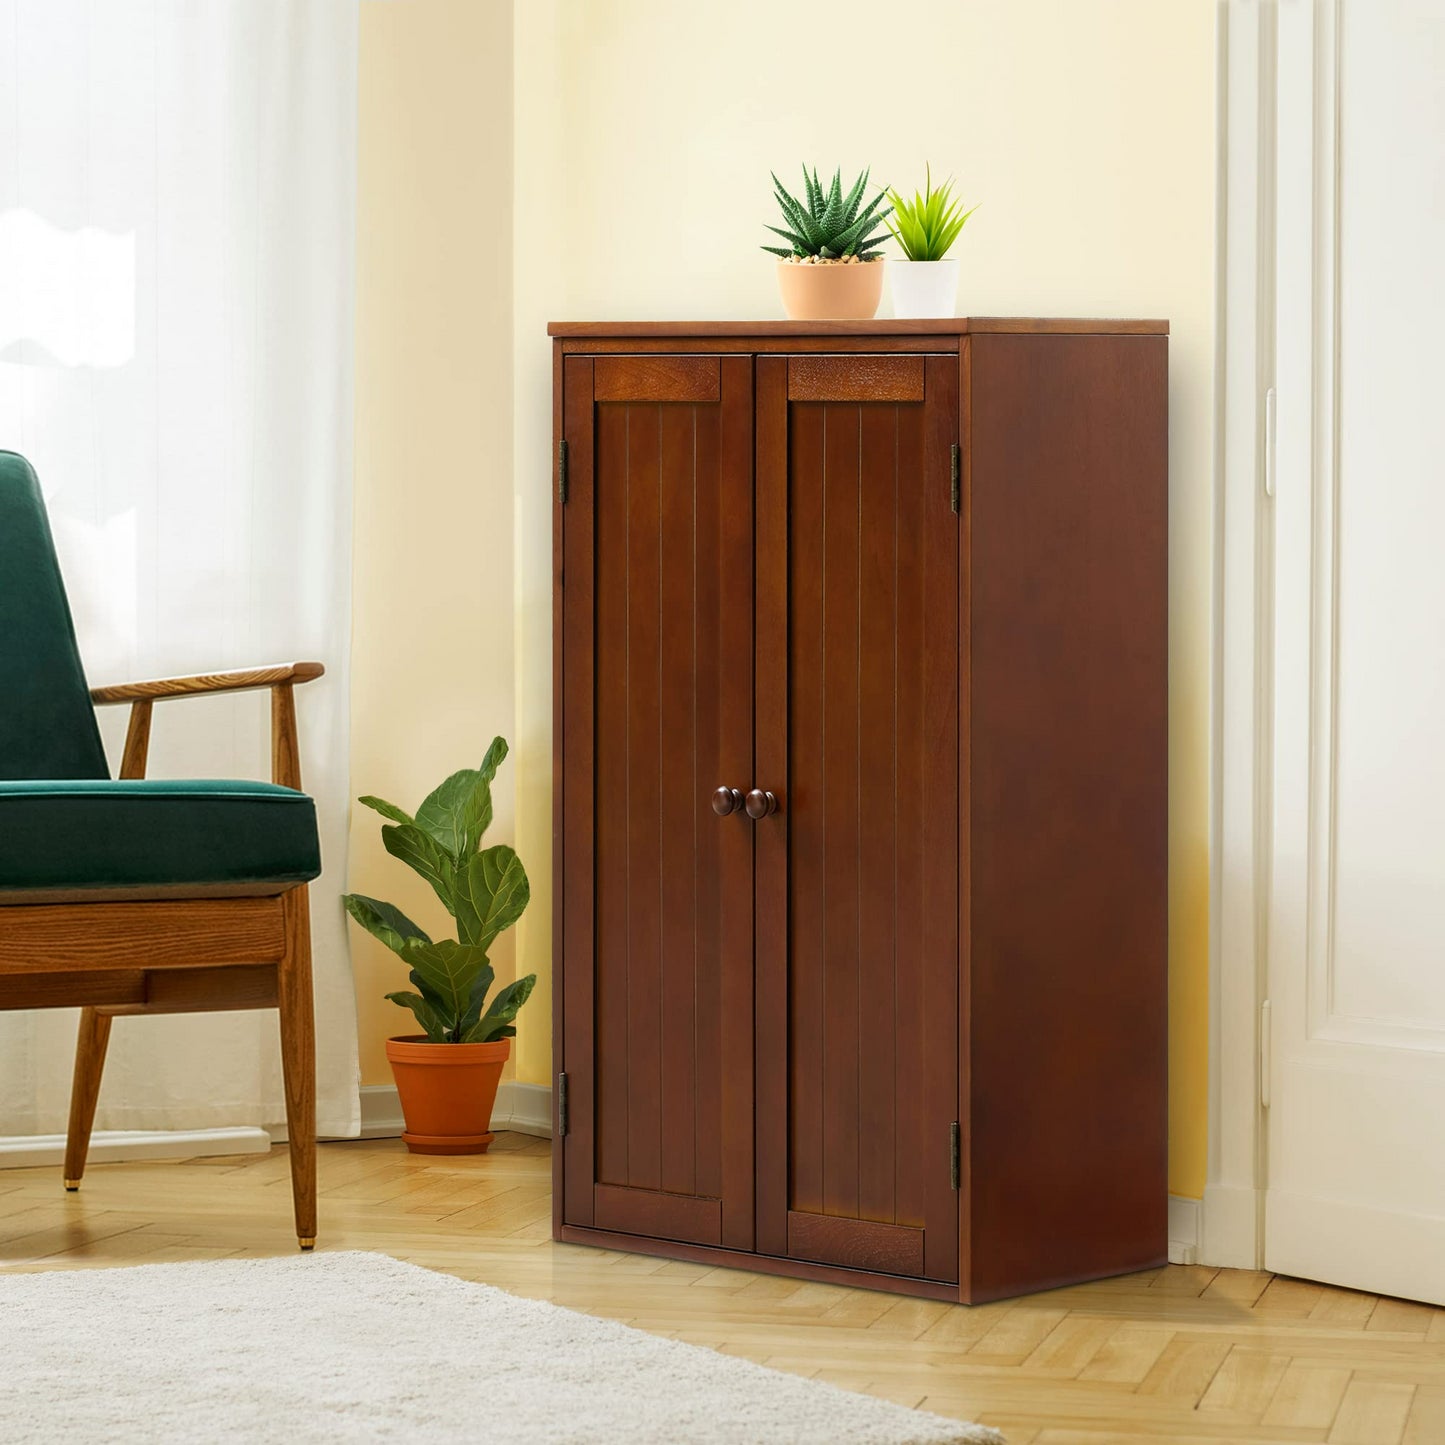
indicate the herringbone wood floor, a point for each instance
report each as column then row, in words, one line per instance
column 1182, row 1355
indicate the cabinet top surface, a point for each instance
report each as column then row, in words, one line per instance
column 944, row 326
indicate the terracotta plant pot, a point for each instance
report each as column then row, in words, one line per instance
column 447, row 1092
column 831, row 292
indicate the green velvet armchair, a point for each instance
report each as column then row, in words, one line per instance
column 135, row 896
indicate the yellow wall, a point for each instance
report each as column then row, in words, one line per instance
column 643, row 133
column 432, row 629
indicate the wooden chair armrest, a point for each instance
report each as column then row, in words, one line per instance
column 281, row 678
column 238, row 680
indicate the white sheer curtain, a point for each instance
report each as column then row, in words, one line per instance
column 177, row 206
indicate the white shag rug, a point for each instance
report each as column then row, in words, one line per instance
column 361, row 1347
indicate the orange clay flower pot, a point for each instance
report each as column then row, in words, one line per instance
column 447, row 1092
column 832, row 291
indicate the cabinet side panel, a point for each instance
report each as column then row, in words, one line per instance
column 573, row 949
column 559, row 1057
column 1068, row 484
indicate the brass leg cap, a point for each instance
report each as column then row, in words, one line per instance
column 306, row 1243
column 72, row 1185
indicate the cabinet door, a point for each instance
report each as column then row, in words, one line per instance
column 858, row 871
column 656, row 952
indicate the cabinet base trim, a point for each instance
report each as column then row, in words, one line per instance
column 652, row 1213
column 757, row 1263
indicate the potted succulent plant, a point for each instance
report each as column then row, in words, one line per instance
column 832, row 267
column 447, row 1075
column 926, row 283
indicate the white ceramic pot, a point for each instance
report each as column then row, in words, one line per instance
column 924, row 288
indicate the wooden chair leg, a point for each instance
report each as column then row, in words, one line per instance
column 89, row 1061
column 298, row 1062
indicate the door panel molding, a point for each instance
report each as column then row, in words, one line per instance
column 657, row 378
column 856, row 1243
column 1329, row 1019
column 855, row 378
column 657, row 974
column 770, row 756
column 854, row 521
column 654, row 1212
column 1352, row 1089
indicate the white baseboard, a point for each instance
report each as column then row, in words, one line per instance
column 1229, row 1227
column 1185, row 1229
column 521, row 1108
column 528, row 1109
column 380, row 1112
column 110, row 1146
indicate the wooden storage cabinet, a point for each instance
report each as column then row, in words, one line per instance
column 892, row 1010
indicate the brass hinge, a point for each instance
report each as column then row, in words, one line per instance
column 954, row 469
column 562, row 1101
column 562, row 471
column 955, row 1149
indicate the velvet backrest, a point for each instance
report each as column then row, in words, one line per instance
column 47, row 721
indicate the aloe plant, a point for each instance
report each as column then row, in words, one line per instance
column 929, row 224
column 484, row 889
column 827, row 224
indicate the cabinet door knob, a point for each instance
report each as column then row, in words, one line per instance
column 760, row 803
column 727, row 800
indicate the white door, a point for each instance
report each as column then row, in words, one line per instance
column 1355, row 1066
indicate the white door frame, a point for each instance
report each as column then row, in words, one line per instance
column 1233, row 1210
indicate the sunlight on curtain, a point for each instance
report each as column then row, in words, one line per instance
column 177, row 207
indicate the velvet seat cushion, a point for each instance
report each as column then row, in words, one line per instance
column 159, row 836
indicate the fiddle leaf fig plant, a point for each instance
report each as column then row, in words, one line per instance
column 484, row 889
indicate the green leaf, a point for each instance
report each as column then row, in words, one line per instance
column 387, row 810
column 808, row 225
column 950, row 232
column 457, row 812
column 475, row 1002
column 496, row 1022
column 871, row 220
column 831, row 221
column 929, row 224
column 798, row 243
column 428, row 993
column 448, row 970
column 384, row 921
column 432, row 1024
column 496, row 755
column 491, row 895
column 855, row 197
column 422, row 852
column 813, row 190
column 797, row 216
